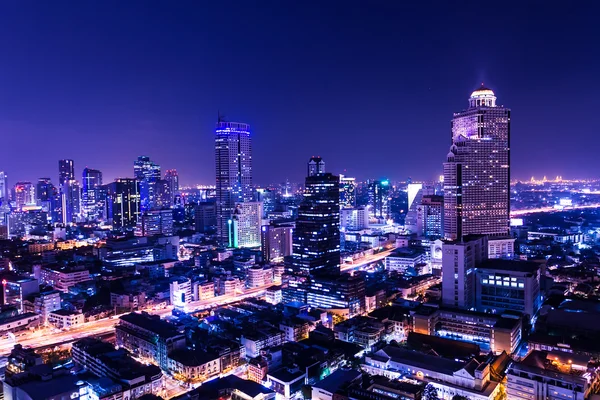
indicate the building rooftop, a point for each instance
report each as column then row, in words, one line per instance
column 338, row 379
column 286, row 375
column 64, row 313
column 449, row 348
column 510, row 265
column 417, row 359
column 151, row 323
column 214, row 389
column 193, row 358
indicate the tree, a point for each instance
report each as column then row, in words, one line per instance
column 430, row 392
column 501, row 393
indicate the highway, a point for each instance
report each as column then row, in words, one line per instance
column 366, row 260
column 518, row 213
column 47, row 338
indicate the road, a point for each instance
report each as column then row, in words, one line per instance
column 46, row 337
column 518, row 213
column 366, row 260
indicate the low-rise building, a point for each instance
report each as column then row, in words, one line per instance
column 496, row 333
column 552, row 375
column 65, row 319
column 258, row 340
column 18, row 324
column 258, row 368
column 193, row 365
column 470, row 379
column 43, row 304
column 274, row 295
column 63, row 278
column 257, row 276
column 405, row 260
column 103, row 360
column 128, row 301
column 364, row 331
column 286, row 382
column 295, row 329
column 149, row 337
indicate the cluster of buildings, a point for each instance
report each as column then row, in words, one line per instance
column 431, row 289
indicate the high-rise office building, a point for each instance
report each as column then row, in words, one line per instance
column 316, row 239
column 44, row 190
column 4, row 195
column 172, row 177
column 66, row 171
column 205, row 216
column 147, row 173
column 155, row 223
column 276, row 240
column 24, row 194
column 71, row 201
column 347, row 192
column 163, row 196
column 123, row 202
column 233, row 156
column 460, row 260
column 379, row 200
column 245, row 225
column 91, row 203
column 430, row 217
column 477, row 170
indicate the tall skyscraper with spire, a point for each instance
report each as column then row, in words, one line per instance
column 477, row 170
column 233, row 157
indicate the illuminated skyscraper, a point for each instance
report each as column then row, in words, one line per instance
column 147, row 173
column 246, row 223
column 66, row 171
column 123, row 202
column 91, row 202
column 233, row 156
column 347, row 192
column 172, row 178
column 477, row 170
column 44, row 190
column 24, row 194
column 316, row 239
column 71, row 201
column 379, row 200
column 3, row 188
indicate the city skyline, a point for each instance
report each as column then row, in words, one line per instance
column 164, row 103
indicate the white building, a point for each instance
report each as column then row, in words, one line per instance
column 354, row 219
column 43, row 304
column 451, row 378
column 246, row 224
column 62, row 279
column 64, row 319
column 501, row 247
column 257, row 276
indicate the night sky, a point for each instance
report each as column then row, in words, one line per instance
column 370, row 86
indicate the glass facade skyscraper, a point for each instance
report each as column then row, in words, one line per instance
column 123, row 202
column 66, row 171
column 477, row 170
column 233, row 157
column 316, row 238
column 147, row 173
column 91, row 201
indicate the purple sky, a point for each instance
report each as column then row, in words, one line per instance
column 370, row 86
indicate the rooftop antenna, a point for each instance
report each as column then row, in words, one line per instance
column 220, row 118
